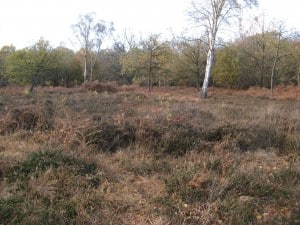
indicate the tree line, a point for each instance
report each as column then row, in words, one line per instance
column 265, row 57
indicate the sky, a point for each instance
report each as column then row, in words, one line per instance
column 23, row 22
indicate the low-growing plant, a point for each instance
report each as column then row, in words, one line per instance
column 29, row 118
column 247, row 184
column 108, row 136
column 287, row 177
column 179, row 139
column 43, row 186
column 238, row 211
column 40, row 161
column 182, row 185
column 48, row 114
column 149, row 168
column 101, row 87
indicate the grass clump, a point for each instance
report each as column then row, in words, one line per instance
column 44, row 188
column 249, row 185
column 101, row 87
column 190, row 185
column 250, row 138
column 48, row 115
column 179, row 139
column 108, row 136
column 29, row 118
column 238, row 211
column 40, row 161
column 255, row 138
column 148, row 168
column 249, row 197
column 21, row 210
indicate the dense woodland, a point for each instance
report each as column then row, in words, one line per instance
column 246, row 62
column 265, row 55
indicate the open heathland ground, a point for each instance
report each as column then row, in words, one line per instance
column 103, row 154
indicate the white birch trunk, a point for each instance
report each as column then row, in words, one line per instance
column 275, row 62
column 209, row 61
column 91, row 75
column 208, row 67
column 84, row 70
column 211, row 14
column 272, row 74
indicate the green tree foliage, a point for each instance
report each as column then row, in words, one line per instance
column 257, row 54
column 65, row 68
column 108, row 67
column 4, row 53
column 265, row 56
column 42, row 65
column 288, row 68
column 126, row 47
column 226, row 69
column 133, row 65
column 30, row 65
column 148, row 62
column 153, row 51
column 190, row 63
column 167, row 59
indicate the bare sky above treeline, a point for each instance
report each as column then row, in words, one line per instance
column 23, row 22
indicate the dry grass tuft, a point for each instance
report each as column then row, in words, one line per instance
column 280, row 92
column 101, row 87
column 31, row 118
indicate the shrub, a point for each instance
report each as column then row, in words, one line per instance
column 108, row 137
column 5, row 166
column 8, row 212
column 287, row 177
column 145, row 168
column 181, row 184
column 178, row 139
column 250, row 185
column 48, row 115
column 238, row 211
column 247, row 138
column 254, row 138
column 168, row 137
column 40, row 161
column 101, row 87
column 21, row 210
column 44, row 188
column 28, row 118
column 1, row 106
column 149, row 134
column 218, row 133
column 24, row 118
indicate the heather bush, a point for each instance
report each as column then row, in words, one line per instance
column 108, row 136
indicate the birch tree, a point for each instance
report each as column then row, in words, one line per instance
column 277, row 55
column 90, row 35
column 153, row 49
column 193, row 58
column 211, row 15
